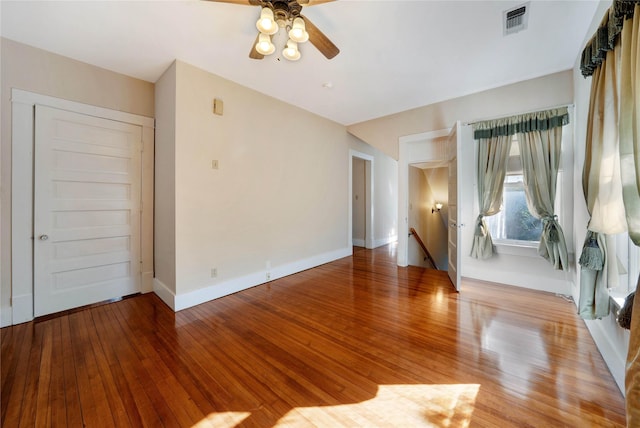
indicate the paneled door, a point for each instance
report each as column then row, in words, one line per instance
column 454, row 145
column 86, row 210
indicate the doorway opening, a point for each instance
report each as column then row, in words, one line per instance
column 423, row 157
column 428, row 215
column 361, row 200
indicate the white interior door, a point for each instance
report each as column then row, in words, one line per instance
column 454, row 248
column 86, row 210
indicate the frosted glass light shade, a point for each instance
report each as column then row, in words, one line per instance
column 298, row 32
column 291, row 52
column 266, row 24
column 264, row 45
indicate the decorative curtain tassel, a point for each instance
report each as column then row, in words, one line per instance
column 591, row 257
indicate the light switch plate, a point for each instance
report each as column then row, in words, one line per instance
column 218, row 106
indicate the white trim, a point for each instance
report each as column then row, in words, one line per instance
column 22, row 308
column 369, row 211
column 520, row 279
column 146, row 283
column 384, row 241
column 358, row 243
column 25, row 97
column 424, row 136
column 221, row 289
column 22, row 140
column 5, row 317
column 165, row 293
column 616, row 361
column 21, row 212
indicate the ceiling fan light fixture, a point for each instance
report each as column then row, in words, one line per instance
column 264, row 45
column 291, row 52
column 298, row 32
column 266, row 24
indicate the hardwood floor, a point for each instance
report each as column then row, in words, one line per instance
column 357, row 343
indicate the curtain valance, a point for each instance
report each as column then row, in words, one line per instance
column 522, row 123
column 605, row 36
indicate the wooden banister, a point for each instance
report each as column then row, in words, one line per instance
column 413, row 232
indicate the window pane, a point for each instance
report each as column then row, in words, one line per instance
column 514, row 222
column 519, row 224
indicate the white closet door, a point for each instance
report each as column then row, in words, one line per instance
column 454, row 248
column 86, row 210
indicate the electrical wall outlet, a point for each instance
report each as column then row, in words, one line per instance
column 268, row 276
column 214, row 272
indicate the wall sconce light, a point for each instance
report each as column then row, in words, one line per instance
column 437, row 208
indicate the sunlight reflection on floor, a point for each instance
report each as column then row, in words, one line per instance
column 396, row 405
column 225, row 419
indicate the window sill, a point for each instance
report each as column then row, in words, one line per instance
column 617, row 297
column 517, row 248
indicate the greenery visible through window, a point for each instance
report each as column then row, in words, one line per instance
column 514, row 222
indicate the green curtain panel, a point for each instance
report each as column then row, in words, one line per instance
column 628, row 125
column 540, row 153
column 602, row 188
column 619, row 33
column 542, row 133
column 491, row 170
column 606, row 35
column 630, row 171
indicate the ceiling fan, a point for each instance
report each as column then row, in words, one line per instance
column 286, row 14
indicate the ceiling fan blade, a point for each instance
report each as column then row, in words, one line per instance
column 320, row 41
column 254, row 54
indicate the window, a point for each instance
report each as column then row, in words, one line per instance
column 628, row 265
column 514, row 224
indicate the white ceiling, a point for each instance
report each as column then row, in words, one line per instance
column 395, row 55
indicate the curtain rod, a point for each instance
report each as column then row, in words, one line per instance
column 517, row 114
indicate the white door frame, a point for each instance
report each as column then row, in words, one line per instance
column 415, row 148
column 369, row 214
column 22, row 152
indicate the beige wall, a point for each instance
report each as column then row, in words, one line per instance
column 165, row 200
column 278, row 197
column 42, row 72
column 546, row 91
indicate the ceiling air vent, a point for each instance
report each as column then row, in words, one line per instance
column 515, row 19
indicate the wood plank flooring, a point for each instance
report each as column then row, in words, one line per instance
column 354, row 343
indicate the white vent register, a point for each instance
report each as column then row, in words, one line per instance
column 515, row 19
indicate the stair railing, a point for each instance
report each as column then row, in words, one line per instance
column 413, row 232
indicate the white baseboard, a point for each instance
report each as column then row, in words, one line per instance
column 358, row 242
column 147, row 282
column 22, row 308
column 5, row 316
column 384, row 241
column 612, row 354
column 220, row 289
column 519, row 279
column 165, row 294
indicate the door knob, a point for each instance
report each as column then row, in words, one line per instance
column 44, row 237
